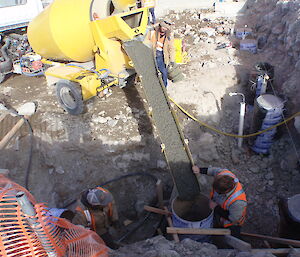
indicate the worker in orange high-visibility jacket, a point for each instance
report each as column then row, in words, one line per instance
column 97, row 211
column 228, row 199
column 151, row 5
column 162, row 40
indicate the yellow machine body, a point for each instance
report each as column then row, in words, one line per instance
column 108, row 35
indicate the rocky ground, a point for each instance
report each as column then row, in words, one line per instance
column 115, row 136
column 160, row 247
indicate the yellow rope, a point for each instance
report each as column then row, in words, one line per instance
column 229, row 134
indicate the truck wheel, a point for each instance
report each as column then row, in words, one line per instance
column 2, row 77
column 69, row 96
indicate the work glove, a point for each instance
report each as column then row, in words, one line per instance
column 198, row 170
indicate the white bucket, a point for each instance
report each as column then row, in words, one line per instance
column 249, row 45
column 243, row 33
column 193, row 214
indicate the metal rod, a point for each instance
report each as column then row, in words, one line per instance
column 242, row 117
column 241, row 123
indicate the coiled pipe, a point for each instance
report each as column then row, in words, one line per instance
column 7, row 64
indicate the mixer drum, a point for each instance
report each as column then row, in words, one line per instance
column 62, row 31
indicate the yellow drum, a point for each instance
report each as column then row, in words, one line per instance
column 62, row 31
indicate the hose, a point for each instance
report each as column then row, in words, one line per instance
column 30, row 153
column 139, row 224
column 101, row 76
column 229, row 134
column 5, row 66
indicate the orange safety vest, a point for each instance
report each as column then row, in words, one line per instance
column 237, row 195
column 160, row 42
column 89, row 215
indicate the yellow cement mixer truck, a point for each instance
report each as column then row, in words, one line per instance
column 82, row 40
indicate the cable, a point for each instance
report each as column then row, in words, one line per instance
column 229, row 134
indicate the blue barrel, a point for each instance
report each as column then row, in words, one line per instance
column 192, row 214
column 272, row 106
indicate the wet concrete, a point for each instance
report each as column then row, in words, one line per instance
column 168, row 130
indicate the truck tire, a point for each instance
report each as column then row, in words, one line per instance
column 69, row 96
column 2, row 77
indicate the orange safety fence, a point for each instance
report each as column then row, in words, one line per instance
column 60, row 237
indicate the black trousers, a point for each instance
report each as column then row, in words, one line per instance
column 235, row 229
column 109, row 241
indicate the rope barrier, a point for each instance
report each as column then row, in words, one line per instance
column 229, row 134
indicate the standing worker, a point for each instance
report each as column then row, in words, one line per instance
column 162, row 42
column 149, row 4
column 227, row 198
column 96, row 210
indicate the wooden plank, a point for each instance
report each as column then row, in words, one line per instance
column 279, row 251
column 237, row 243
column 160, row 193
column 6, row 139
column 199, row 231
column 170, row 223
column 157, row 210
column 267, row 244
column 2, row 116
column 273, row 239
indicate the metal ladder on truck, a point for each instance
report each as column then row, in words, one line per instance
column 174, row 147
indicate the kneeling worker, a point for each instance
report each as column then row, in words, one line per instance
column 228, row 199
column 96, row 210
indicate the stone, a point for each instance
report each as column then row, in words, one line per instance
column 269, row 176
column 101, row 120
column 297, row 119
column 151, row 253
column 7, row 91
column 59, row 170
column 209, row 31
column 294, row 253
column 254, row 169
column 112, row 123
column 160, row 164
column 208, row 151
column 168, row 253
column 27, row 109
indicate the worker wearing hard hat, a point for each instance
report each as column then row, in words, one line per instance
column 96, row 210
column 228, row 198
column 163, row 46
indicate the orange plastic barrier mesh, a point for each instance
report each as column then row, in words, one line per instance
column 60, row 237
